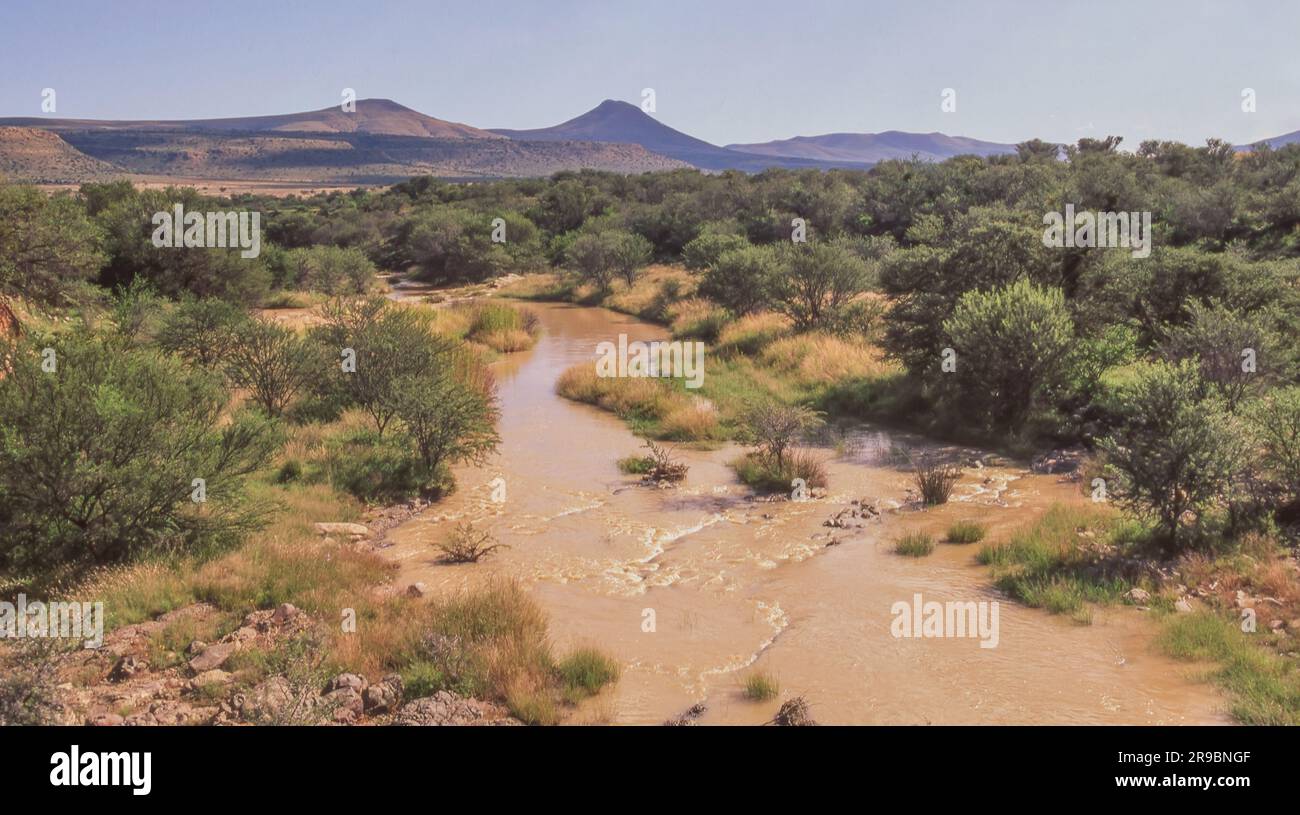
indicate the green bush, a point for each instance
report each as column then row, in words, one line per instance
column 115, row 437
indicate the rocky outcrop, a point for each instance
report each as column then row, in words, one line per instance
column 444, row 708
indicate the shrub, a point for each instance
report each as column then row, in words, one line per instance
column 934, row 479
column 662, row 466
column 47, row 244
column 966, row 532
column 742, row 279
column 914, row 544
column 117, row 436
column 817, row 280
column 201, row 331
column 1175, row 451
column 704, row 252
column 448, row 417
column 1010, row 343
column 697, row 319
column 468, row 545
column 272, row 362
column 773, row 427
column 760, row 686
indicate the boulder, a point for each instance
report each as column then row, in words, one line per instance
column 214, row 656
column 384, row 695
column 1138, row 595
column 445, row 708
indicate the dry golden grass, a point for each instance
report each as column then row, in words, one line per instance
column 696, row 421
column 656, row 287
column 696, row 318
column 822, row 359
column 753, row 332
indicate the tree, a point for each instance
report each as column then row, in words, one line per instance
column 704, row 252
column 331, row 270
column 201, row 331
column 1275, row 425
column 629, row 252
column 817, row 280
column 742, row 279
column 592, row 256
column 98, row 457
column 1234, row 350
column 272, row 362
column 773, row 427
column 1177, row 449
column 47, row 244
column 387, row 343
column 1009, row 343
column 446, row 417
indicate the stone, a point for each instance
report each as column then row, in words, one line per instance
column 127, row 667
column 384, row 695
column 446, row 708
column 284, row 613
column 105, row 720
column 1138, row 595
column 354, row 681
column 212, row 677
column 1183, row 606
column 266, row 701
column 415, row 590
column 344, row 704
column 214, row 656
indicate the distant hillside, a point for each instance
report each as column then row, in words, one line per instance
column 351, row 158
column 376, row 116
column 1275, row 142
column 28, row 154
column 380, row 143
column 873, row 147
column 613, row 121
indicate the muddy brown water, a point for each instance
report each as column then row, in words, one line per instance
column 733, row 585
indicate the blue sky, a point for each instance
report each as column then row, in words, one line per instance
column 723, row 71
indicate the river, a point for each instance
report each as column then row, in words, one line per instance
column 690, row 588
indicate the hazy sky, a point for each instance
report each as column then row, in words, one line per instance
column 724, row 71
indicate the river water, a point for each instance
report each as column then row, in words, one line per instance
column 692, row 588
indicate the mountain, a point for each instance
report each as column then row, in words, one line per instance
column 1275, row 142
column 28, row 154
column 375, row 116
column 873, row 147
column 381, row 142
column 613, row 121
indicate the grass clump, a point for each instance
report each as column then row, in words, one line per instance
column 1043, row 565
column 966, row 532
column 769, row 475
column 502, row 326
column 584, row 672
column 914, row 544
column 760, row 686
column 1265, row 687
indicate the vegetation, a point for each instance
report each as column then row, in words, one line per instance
column 468, row 545
column 934, row 479
column 760, row 687
column 914, row 544
column 965, row 532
